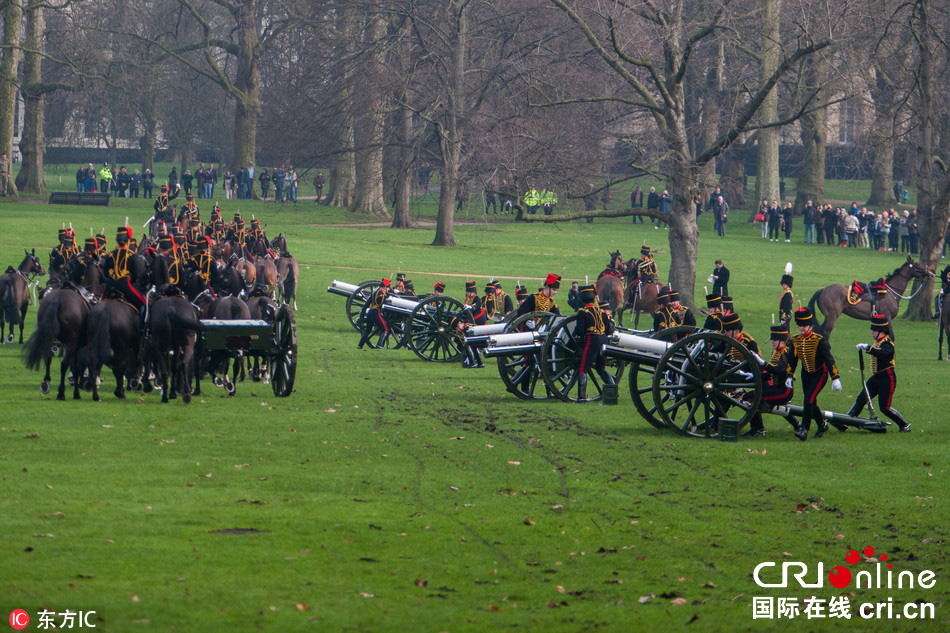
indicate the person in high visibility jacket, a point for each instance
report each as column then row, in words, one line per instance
column 532, row 200
column 548, row 200
column 105, row 178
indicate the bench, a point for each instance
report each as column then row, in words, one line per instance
column 72, row 197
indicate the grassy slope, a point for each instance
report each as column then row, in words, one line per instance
column 394, row 494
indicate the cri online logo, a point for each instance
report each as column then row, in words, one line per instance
column 840, row 576
column 19, row 619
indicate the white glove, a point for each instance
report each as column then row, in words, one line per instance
column 530, row 324
column 468, row 307
column 836, row 384
column 790, row 382
column 862, row 346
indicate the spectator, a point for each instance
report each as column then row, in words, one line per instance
column 829, row 221
column 173, row 179
column 893, row 233
column 808, row 221
column 136, row 183
column 90, row 179
column 264, row 179
column 187, row 181
column 279, row 177
column 291, row 180
column 787, row 214
column 200, row 180
column 904, row 233
column 666, row 207
column 775, row 221
column 211, row 179
column 762, row 216
column 913, row 236
column 123, row 182
column 319, row 181
column 81, row 179
column 250, row 181
column 721, row 215
column 228, row 182
column 636, row 202
column 491, row 200
column 720, row 280
column 653, row 202
column 851, row 226
column 605, row 197
column 698, row 207
column 863, row 218
column 148, row 183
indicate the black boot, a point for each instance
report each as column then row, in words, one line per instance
column 478, row 357
column 382, row 340
column 606, row 377
column 582, row 387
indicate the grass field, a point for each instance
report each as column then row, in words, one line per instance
column 389, row 494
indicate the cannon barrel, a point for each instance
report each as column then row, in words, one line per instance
column 831, row 416
column 341, row 288
column 643, row 344
column 513, row 344
column 482, row 334
column 401, row 304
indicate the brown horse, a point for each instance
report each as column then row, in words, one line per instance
column 833, row 300
column 60, row 319
column 288, row 271
column 112, row 336
column 15, row 293
column 266, row 273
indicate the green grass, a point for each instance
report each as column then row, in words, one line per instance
column 397, row 495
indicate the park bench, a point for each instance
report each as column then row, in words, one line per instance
column 72, row 197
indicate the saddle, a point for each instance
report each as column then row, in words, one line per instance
column 87, row 296
column 867, row 291
column 610, row 272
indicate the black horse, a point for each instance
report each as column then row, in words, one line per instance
column 15, row 293
column 60, row 320
column 112, row 336
column 173, row 333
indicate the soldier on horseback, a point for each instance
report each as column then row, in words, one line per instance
column 938, row 299
column 117, row 270
column 647, row 272
column 166, row 270
column 59, row 256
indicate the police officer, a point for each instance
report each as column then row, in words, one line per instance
column 814, row 352
column 532, row 199
column 883, row 380
column 374, row 322
column 593, row 326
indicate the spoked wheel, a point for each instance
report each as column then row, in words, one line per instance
column 282, row 363
column 431, row 330
column 700, row 378
column 522, row 374
column 356, row 301
column 641, row 378
column 561, row 360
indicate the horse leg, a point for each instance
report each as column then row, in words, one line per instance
column 64, row 366
column 186, row 352
column 23, row 320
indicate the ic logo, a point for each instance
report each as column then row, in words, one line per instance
column 19, row 619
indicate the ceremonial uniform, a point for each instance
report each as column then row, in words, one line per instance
column 166, row 270
column 732, row 327
column 776, row 386
column 883, row 380
column 162, row 200
column 543, row 300
column 944, row 283
column 203, row 264
column 593, row 326
column 59, row 256
column 814, row 352
column 714, row 318
column 496, row 303
column 117, row 270
column 374, row 322
column 786, row 301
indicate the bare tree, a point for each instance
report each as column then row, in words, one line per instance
column 9, row 82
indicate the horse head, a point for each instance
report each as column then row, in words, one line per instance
column 31, row 264
column 919, row 270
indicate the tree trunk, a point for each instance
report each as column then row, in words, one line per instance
column 368, row 130
column 147, row 143
column 811, row 178
column 684, row 234
column 33, row 144
column 767, row 172
column 883, row 143
column 732, row 176
column 247, row 81
column 13, row 21
column 403, row 172
column 920, row 307
column 711, row 113
column 342, row 181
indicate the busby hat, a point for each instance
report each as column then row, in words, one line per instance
column 588, row 294
column 804, row 316
column 731, row 322
column 879, row 323
column 91, row 245
column 713, row 301
column 399, row 276
column 496, row 284
column 70, row 237
column 674, row 295
column 237, row 217
column 256, row 224
column 386, row 283
column 408, row 285
column 604, row 305
column 203, row 243
column 727, row 304
column 489, row 287
column 166, row 242
column 439, row 286
column 190, row 196
column 123, row 233
column 164, row 188
column 63, row 233
column 179, row 239
column 644, row 250
column 663, row 296
column 787, row 278
column 553, row 281
column 521, row 293
column 779, row 332
column 470, row 286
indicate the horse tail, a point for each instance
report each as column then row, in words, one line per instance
column 290, row 285
column 39, row 346
column 179, row 322
column 11, row 311
column 236, row 312
column 813, row 301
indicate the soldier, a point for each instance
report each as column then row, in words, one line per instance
column 189, row 210
column 408, row 289
column 727, row 307
column 476, row 315
column 714, row 313
column 944, row 283
column 166, row 270
column 101, row 245
column 374, row 322
column 117, row 271
column 496, row 303
column 647, row 272
column 883, row 380
column 521, row 294
column 593, row 326
column 663, row 318
column 162, row 200
column 732, row 327
column 776, row 386
column 814, row 352
column 237, row 232
column 543, row 300
column 438, row 289
column 786, row 299
column 681, row 314
column 58, row 257
column 203, row 264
